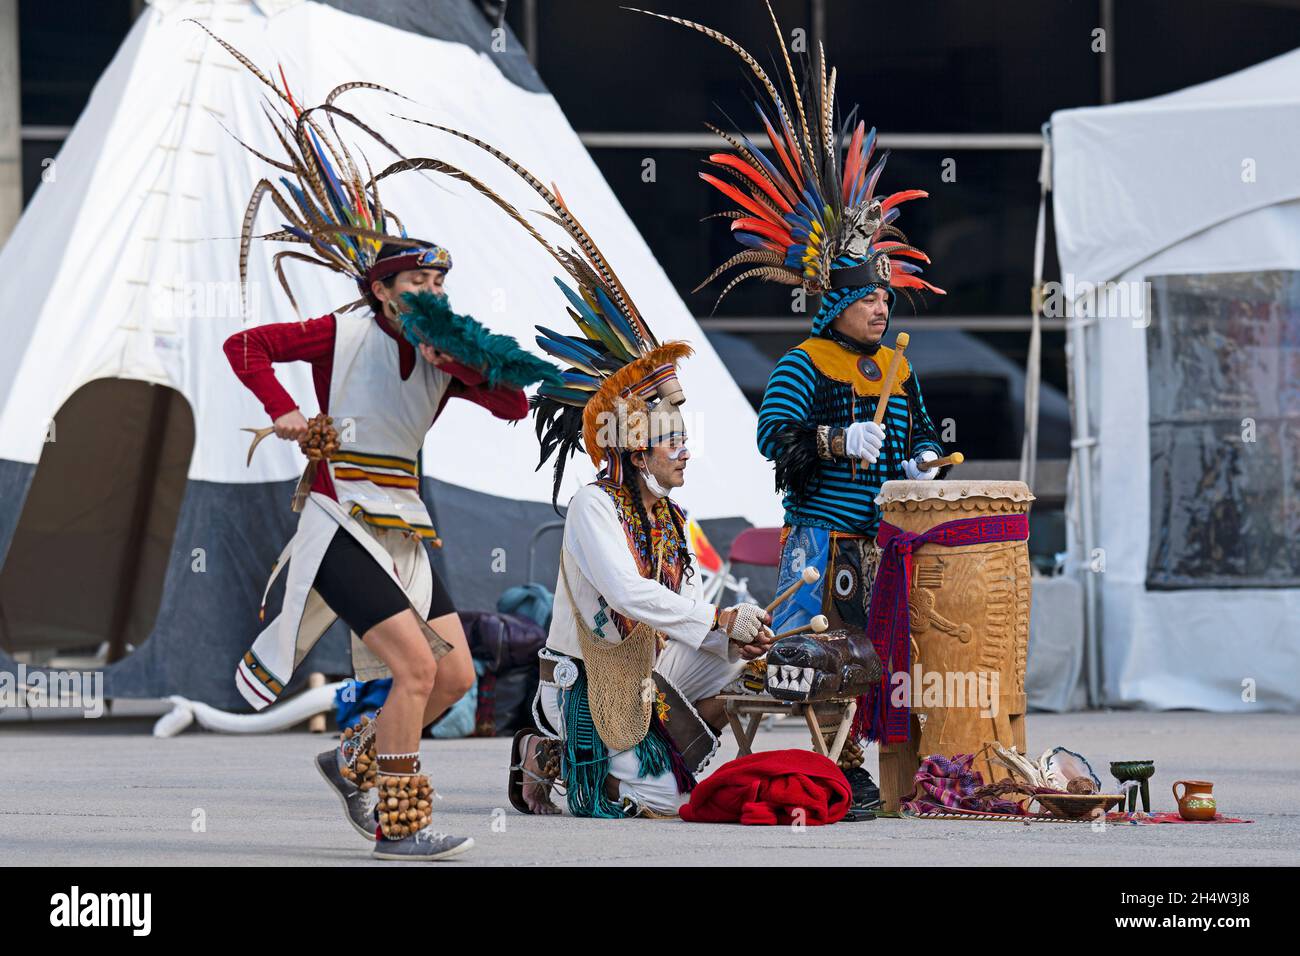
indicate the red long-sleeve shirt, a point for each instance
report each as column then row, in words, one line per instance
column 252, row 352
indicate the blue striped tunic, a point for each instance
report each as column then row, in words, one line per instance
column 800, row 393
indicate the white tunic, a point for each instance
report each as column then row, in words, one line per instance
column 697, row 661
column 599, row 552
column 382, row 420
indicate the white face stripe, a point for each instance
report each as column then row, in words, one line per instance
column 676, row 442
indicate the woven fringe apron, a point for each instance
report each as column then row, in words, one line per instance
column 620, row 688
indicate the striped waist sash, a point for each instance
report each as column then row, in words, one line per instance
column 387, row 471
column 395, row 501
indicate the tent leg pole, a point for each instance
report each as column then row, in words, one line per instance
column 1034, row 360
column 1083, row 444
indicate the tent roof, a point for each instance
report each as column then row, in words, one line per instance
column 1134, row 178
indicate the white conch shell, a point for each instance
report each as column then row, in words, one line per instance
column 1059, row 766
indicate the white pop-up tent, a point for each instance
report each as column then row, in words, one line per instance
column 1185, row 211
column 123, row 486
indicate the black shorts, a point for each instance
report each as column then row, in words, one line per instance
column 358, row 590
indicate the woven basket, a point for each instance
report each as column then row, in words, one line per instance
column 1077, row 806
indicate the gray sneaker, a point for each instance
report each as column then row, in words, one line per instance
column 359, row 805
column 426, row 844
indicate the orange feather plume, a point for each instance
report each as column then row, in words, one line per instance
column 735, row 194
column 902, row 197
column 901, row 280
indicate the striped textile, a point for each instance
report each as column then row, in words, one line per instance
column 425, row 531
column 943, row 785
column 385, row 463
column 798, row 393
column 259, row 679
column 389, row 471
column 379, row 478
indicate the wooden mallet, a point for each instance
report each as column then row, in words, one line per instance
column 956, row 458
column 816, row 626
column 887, row 386
column 810, row 576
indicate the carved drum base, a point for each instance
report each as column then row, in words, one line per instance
column 969, row 611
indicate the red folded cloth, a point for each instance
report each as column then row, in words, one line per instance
column 776, row 787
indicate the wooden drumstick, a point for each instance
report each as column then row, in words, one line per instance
column 956, row 458
column 816, row 625
column 260, row 433
column 891, row 373
column 810, row 576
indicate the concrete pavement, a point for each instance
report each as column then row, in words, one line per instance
column 105, row 793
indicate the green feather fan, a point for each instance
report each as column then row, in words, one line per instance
column 430, row 321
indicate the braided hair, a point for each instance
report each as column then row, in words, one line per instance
column 630, row 473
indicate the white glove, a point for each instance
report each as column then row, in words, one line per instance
column 862, row 440
column 912, row 468
column 746, row 624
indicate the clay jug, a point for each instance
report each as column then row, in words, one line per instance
column 1197, row 801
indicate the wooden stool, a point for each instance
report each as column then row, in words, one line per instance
column 757, row 706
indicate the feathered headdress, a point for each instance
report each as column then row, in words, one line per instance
column 811, row 218
column 620, row 390
column 341, row 219
column 330, row 208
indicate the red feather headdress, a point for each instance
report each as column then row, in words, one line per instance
column 814, row 211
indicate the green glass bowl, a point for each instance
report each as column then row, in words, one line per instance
column 1132, row 769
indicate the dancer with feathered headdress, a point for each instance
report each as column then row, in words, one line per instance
column 384, row 367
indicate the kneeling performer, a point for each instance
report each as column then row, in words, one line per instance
column 633, row 658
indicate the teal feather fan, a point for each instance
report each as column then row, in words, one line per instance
column 430, row 321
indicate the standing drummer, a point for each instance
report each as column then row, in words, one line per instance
column 831, row 458
column 810, row 218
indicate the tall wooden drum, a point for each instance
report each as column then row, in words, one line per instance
column 969, row 614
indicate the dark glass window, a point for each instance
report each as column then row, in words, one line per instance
column 615, row 70
column 1165, row 45
column 958, row 66
column 63, row 49
column 1223, row 361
